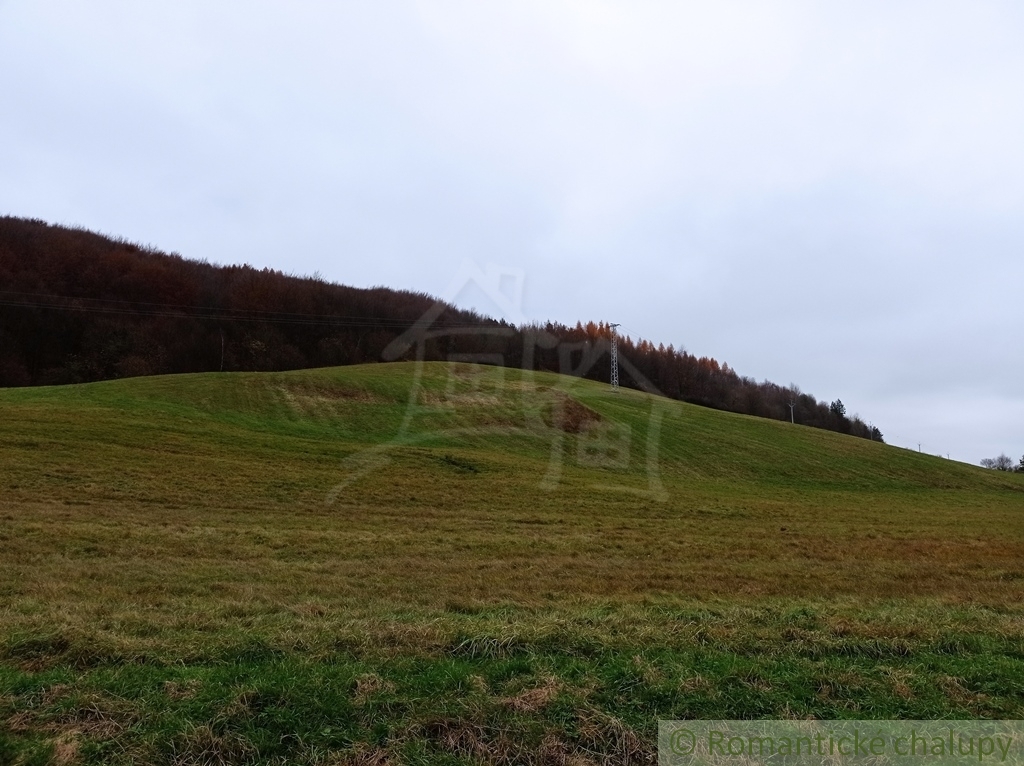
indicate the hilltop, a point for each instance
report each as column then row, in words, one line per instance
column 76, row 306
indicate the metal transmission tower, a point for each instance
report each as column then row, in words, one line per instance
column 615, row 358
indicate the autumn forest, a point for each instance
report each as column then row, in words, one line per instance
column 76, row 306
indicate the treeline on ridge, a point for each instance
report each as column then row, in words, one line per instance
column 76, row 306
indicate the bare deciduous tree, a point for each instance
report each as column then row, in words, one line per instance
column 1001, row 463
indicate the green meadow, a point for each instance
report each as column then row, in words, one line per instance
column 452, row 564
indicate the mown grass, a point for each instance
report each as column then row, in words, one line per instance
column 451, row 564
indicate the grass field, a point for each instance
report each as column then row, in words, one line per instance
column 449, row 564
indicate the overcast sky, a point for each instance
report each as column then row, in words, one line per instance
column 828, row 194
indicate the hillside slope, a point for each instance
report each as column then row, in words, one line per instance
column 445, row 563
column 817, row 512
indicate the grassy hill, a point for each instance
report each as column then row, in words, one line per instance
column 455, row 564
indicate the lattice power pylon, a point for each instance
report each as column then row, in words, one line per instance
column 615, row 358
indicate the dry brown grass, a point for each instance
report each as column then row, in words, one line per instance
column 534, row 699
column 362, row 756
column 136, row 571
column 202, row 746
column 370, row 684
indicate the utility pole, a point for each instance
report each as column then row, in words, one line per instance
column 615, row 358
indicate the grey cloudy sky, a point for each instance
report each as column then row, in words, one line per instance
column 823, row 193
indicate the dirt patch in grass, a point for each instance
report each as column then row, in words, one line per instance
column 569, row 415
